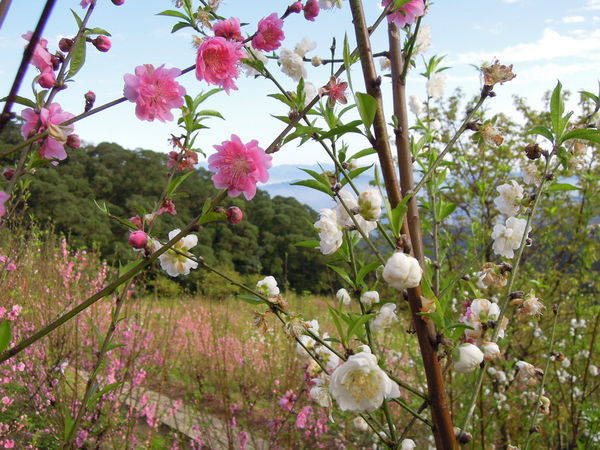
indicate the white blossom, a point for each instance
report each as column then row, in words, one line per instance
column 310, row 92
column 508, row 237
column 435, row 85
column 466, row 358
column 510, row 195
column 423, row 40
column 343, row 296
column 304, row 46
column 369, row 298
column 385, row 318
column 292, row 64
column 330, row 231
column 174, row 263
column 359, row 384
column 268, row 286
column 352, row 204
column 415, row 104
column 408, row 444
column 360, row 424
column 402, row 271
column 593, row 370
column 369, row 203
column 320, row 393
column 329, row 4
column 490, row 350
column 531, row 173
column 385, row 64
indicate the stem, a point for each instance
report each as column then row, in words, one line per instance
column 541, row 388
column 27, row 54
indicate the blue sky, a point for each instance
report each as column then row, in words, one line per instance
column 546, row 40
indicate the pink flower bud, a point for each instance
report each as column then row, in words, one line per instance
column 137, row 221
column 234, row 214
column 90, row 98
column 118, row 2
column 296, row 7
column 102, row 43
column 8, row 173
column 311, row 10
column 65, row 44
column 73, row 141
column 47, row 79
column 138, row 239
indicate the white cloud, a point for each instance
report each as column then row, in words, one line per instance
column 552, row 71
column 592, row 4
column 573, row 19
column 551, row 45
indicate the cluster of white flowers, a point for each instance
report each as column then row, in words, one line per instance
column 435, row 85
column 343, row 296
column 369, row 298
column 175, row 261
column 415, row 104
column 332, row 222
column 423, row 40
column 359, row 385
column 329, row 359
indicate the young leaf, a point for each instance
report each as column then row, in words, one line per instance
column 314, row 185
column 356, row 326
column 557, row 108
column 542, row 131
column 21, row 101
column 176, row 182
column 586, row 134
column 562, row 187
column 5, row 335
column 310, row 244
column 367, row 107
column 77, row 57
column 342, row 273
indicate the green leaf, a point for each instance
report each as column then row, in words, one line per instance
column 211, row 217
column 542, row 131
column 176, row 182
column 98, row 31
column 5, row 335
column 77, row 19
column 314, row 184
column 348, row 60
column 77, row 57
column 365, row 270
column 355, row 327
column 106, row 389
column 335, row 315
column 180, row 25
column 69, row 422
column 311, row 243
column 206, row 206
column 342, row 273
column 364, row 152
column 398, row 214
column 320, row 177
column 562, row 187
column 446, row 209
column 21, row 101
column 355, row 173
column 252, row 299
column 557, row 108
column 173, row 13
column 586, row 134
column 367, row 107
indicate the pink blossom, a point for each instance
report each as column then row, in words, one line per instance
column 102, row 43
column 41, row 58
column 234, row 214
column 229, row 29
column 85, row 3
column 238, row 167
column 218, row 61
column 311, row 10
column 47, row 79
column 52, row 147
column 336, row 90
column 154, row 91
column 14, row 312
column 288, row 400
column 303, row 416
column 269, row 34
column 407, row 14
column 9, row 443
column 3, row 197
column 295, row 7
column 167, row 207
column 137, row 221
column 11, row 267
column 138, row 239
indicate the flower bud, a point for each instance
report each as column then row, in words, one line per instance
column 118, row 2
column 466, row 358
column 402, row 271
column 90, row 98
column 369, row 298
column 47, row 79
column 359, row 423
column 138, row 239
column 137, row 221
column 369, row 203
column 343, row 296
column 316, row 61
column 296, row 7
column 102, row 43
column 73, row 141
column 544, row 406
column 490, row 350
column 234, row 214
column 8, row 173
column 65, row 44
